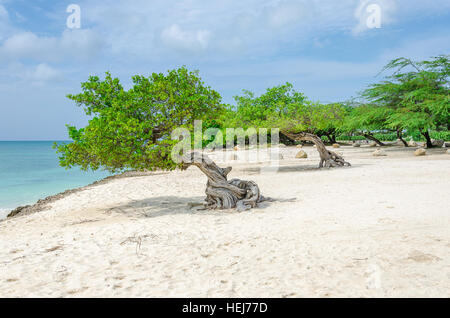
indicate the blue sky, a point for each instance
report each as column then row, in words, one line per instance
column 323, row 47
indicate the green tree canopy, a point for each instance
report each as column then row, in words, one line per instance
column 131, row 129
column 367, row 118
column 329, row 118
column 261, row 111
column 417, row 93
column 285, row 108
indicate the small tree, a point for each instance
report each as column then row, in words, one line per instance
column 419, row 98
column 364, row 119
column 255, row 111
column 131, row 129
column 296, row 117
column 328, row 119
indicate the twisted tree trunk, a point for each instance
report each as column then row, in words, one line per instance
column 426, row 134
column 370, row 137
column 331, row 138
column 221, row 193
column 400, row 136
column 328, row 158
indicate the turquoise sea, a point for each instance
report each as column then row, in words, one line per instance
column 29, row 171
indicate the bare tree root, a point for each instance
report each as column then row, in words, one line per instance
column 220, row 192
column 328, row 158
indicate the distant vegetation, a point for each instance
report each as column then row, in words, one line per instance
column 131, row 129
column 412, row 101
column 414, row 98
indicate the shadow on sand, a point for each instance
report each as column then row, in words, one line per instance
column 170, row 205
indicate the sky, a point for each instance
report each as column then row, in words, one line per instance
column 329, row 50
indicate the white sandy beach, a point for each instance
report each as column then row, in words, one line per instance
column 378, row 228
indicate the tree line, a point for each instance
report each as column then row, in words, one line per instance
column 131, row 129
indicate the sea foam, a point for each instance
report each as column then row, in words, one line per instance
column 4, row 213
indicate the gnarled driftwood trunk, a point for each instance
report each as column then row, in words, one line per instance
column 220, row 192
column 370, row 137
column 328, row 158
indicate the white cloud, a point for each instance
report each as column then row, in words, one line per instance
column 18, row 74
column 71, row 45
column 252, row 44
column 44, row 72
column 232, row 33
column 157, row 30
column 192, row 40
column 286, row 13
column 5, row 28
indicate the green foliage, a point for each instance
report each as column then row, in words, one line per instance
column 289, row 110
column 443, row 135
column 366, row 118
column 419, row 98
column 379, row 136
column 132, row 129
column 262, row 111
column 350, row 138
column 328, row 118
column 415, row 135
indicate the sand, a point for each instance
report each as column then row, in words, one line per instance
column 380, row 228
